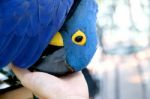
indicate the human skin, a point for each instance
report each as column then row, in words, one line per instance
column 46, row 86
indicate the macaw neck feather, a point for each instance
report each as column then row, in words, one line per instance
column 73, row 9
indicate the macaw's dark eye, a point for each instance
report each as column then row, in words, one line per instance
column 79, row 38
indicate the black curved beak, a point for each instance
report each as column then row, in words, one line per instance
column 54, row 63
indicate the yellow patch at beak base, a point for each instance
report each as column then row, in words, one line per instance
column 57, row 40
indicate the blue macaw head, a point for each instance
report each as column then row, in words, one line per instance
column 79, row 35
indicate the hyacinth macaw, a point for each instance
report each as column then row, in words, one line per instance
column 28, row 26
column 78, row 36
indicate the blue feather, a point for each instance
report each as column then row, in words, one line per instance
column 27, row 26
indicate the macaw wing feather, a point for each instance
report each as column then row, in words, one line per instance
column 27, row 26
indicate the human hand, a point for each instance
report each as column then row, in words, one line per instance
column 46, row 86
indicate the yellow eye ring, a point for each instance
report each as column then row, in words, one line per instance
column 79, row 38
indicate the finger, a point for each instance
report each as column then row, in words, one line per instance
column 42, row 84
column 77, row 81
column 23, row 75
